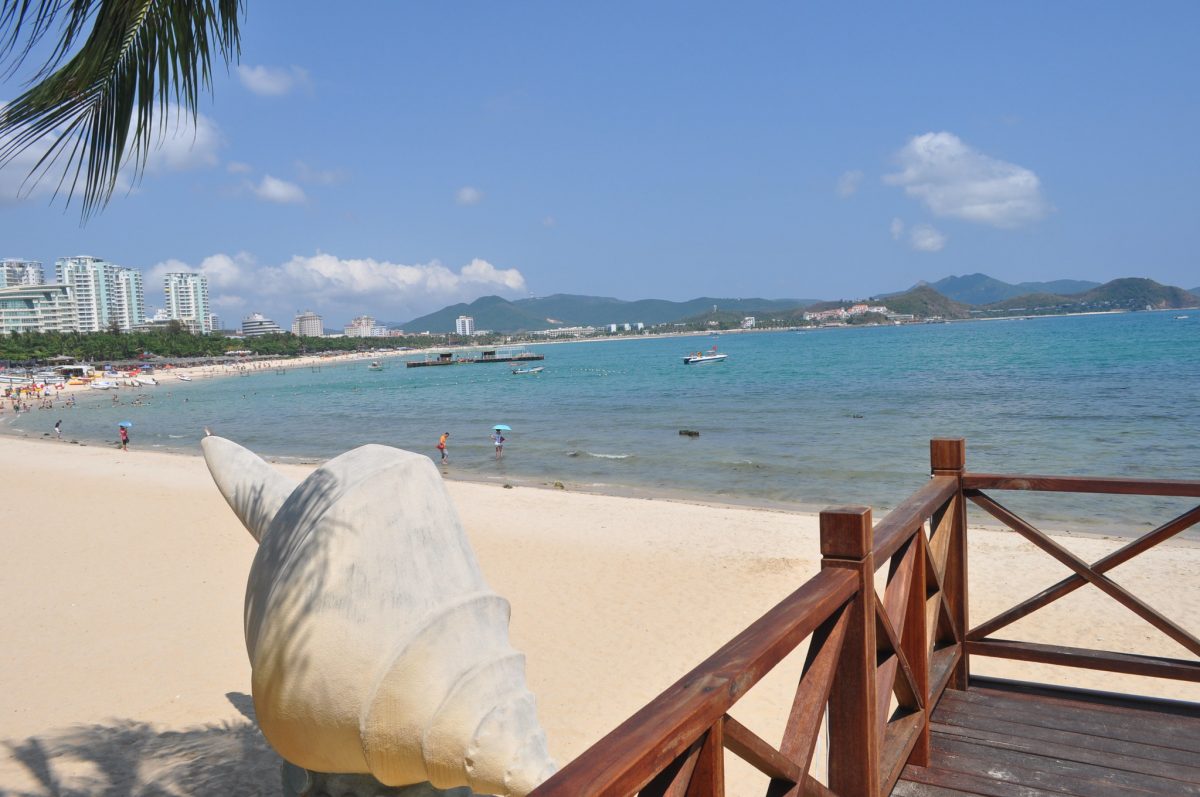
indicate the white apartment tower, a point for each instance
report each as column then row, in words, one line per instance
column 14, row 272
column 464, row 325
column 105, row 293
column 307, row 325
column 37, row 308
column 256, row 325
column 187, row 301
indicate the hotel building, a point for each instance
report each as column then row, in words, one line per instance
column 105, row 294
column 187, row 301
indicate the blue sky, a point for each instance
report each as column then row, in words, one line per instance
column 396, row 157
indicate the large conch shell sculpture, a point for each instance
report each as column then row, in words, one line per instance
column 376, row 645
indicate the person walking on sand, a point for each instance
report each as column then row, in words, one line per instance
column 124, row 438
column 442, row 447
column 498, row 440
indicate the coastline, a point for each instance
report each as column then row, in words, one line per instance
column 123, row 612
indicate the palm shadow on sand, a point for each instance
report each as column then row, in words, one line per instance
column 126, row 758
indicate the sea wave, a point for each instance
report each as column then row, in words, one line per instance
column 597, row 455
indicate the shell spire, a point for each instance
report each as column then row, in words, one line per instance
column 376, row 645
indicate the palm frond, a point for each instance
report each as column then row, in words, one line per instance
column 99, row 108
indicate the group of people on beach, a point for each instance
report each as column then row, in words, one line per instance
column 498, row 441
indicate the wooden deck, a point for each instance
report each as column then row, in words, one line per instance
column 1005, row 739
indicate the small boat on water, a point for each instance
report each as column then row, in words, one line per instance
column 148, row 381
column 184, row 377
column 702, row 357
column 1180, row 317
column 375, row 366
column 101, row 384
column 537, row 369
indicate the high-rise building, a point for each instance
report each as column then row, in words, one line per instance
column 187, row 301
column 257, row 324
column 364, row 326
column 37, row 308
column 464, row 325
column 105, row 294
column 14, row 272
column 307, row 325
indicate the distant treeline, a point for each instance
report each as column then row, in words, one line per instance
column 177, row 343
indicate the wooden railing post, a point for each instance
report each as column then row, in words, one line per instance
column 948, row 457
column 846, row 543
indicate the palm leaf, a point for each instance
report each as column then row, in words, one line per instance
column 100, row 104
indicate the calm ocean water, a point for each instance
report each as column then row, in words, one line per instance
column 796, row 418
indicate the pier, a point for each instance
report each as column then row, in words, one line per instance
column 490, row 356
column 887, row 679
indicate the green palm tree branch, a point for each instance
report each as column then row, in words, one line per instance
column 108, row 103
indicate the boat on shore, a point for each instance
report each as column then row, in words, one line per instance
column 147, row 381
column 101, row 384
column 702, row 357
column 537, row 369
column 183, row 377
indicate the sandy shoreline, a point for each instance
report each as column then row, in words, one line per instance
column 121, row 612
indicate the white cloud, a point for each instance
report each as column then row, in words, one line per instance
column 237, row 167
column 272, row 189
column 897, row 229
column 468, row 196
column 549, row 221
column 848, row 183
column 349, row 286
column 952, row 179
column 273, row 81
column 925, row 238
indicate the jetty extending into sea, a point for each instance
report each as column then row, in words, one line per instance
column 888, row 677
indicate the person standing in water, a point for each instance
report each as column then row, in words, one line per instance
column 442, row 446
column 498, row 440
column 124, row 438
column 58, row 429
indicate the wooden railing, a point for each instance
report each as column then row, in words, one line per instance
column 876, row 665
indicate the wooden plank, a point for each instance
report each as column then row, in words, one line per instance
column 1113, row 753
column 1082, row 484
column 812, row 693
column 909, row 517
column 900, row 737
column 931, row 782
column 1152, row 666
column 941, row 667
column 917, row 648
column 750, row 747
column 1103, row 583
column 853, row 735
column 1092, row 699
column 673, row 781
column 629, row 756
column 948, row 458
column 708, row 779
column 1074, row 581
column 1072, row 777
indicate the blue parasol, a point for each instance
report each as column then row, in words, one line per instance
column 126, row 424
column 502, row 427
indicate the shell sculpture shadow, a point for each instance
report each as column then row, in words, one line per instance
column 376, row 645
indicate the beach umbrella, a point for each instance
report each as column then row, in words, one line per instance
column 126, row 424
column 501, row 427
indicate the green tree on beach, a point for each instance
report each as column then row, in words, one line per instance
column 110, row 71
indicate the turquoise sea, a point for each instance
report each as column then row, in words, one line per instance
column 805, row 419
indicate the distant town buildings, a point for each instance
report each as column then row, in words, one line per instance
column 14, row 272
column 187, row 301
column 256, row 325
column 364, row 326
column 37, row 308
column 106, row 295
column 464, row 325
column 748, row 322
column 845, row 313
column 308, row 325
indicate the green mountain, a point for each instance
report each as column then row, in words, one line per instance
column 1137, row 293
column 559, row 310
column 923, row 301
column 1130, row 293
column 982, row 289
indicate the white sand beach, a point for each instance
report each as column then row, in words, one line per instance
column 124, row 664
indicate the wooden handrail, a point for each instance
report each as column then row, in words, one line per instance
column 1082, row 484
column 638, row 749
column 899, row 525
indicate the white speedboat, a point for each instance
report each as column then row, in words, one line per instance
column 148, row 381
column 183, row 377
column 101, row 384
column 701, row 357
column 537, row 369
column 375, row 366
